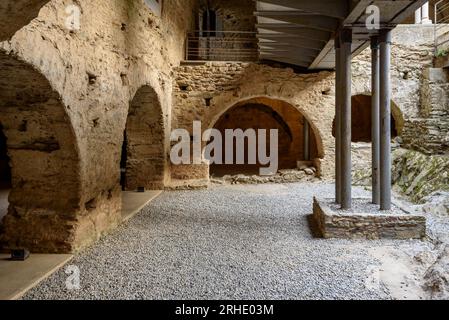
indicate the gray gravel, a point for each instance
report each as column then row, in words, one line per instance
column 230, row 242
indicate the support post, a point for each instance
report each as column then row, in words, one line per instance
column 306, row 135
column 385, row 119
column 346, row 83
column 338, row 121
column 425, row 17
column 418, row 16
column 375, row 119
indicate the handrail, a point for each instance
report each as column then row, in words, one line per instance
column 212, row 45
column 441, row 25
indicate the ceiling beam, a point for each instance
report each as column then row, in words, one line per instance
column 295, row 40
column 331, row 8
column 299, row 31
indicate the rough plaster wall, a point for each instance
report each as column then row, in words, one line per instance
column 120, row 47
column 15, row 14
column 43, row 156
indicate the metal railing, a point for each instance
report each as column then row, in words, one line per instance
column 222, row 46
column 441, row 27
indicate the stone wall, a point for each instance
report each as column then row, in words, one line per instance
column 429, row 132
column 205, row 92
column 418, row 175
column 88, row 78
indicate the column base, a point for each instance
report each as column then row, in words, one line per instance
column 365, row 221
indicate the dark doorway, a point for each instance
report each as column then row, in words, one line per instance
column 361, row 119
column 282, row 117
column 5, row 169
column 5, row 176
column 123, row 161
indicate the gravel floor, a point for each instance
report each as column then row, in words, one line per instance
column 229, row 242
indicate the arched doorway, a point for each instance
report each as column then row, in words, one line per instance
column 268, row 114
column 43, row 158
column 5, row 176
column 143, row 151
column 361, row 119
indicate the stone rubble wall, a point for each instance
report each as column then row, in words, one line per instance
column 429, row 133
column 227, row 84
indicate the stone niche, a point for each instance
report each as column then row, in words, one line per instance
column 365, row 221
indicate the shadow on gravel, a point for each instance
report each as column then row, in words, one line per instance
column 313, row 226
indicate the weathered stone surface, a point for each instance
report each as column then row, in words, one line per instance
column 65, row 97
column 15, row 14
column 394, row 224
column 418, row 175
column 437, row 276
column 283, row 176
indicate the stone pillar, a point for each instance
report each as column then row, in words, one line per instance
column 346, row 83
column 337, row 121
column 385, row 119
column 375, row 119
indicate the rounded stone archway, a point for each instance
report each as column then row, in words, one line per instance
column 361, row 119
column 267, row 113
column 43, row 156
column 143, row 162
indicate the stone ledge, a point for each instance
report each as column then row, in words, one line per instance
column 394, row 224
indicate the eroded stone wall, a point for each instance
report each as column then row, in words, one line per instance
column 93, row 73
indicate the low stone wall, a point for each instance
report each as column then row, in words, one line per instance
column 393, row 224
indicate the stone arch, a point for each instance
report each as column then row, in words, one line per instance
column 361, row 119
column 15, row 14
column 44, row 160
column 270, row 101
column 287, row 115
column 144, row 151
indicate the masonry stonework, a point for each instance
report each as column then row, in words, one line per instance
column 68, row 96
column 82, row 81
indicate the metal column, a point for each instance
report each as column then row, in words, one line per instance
column 306, row 135
column 385, row 119
column 375, row 119
column 337, row 121
column 346, row 180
